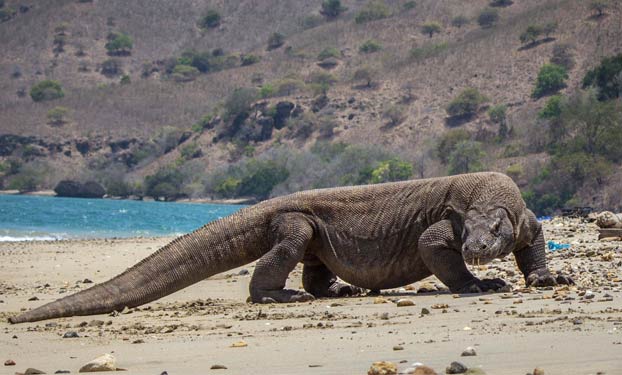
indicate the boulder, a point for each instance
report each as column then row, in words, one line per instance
column 75, row 189
column 106, row 362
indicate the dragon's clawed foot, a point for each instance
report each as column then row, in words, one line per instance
column 280, row 296
column 485, row 285
column 338, row 289
column 543, row 278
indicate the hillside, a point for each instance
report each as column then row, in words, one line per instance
column 388, row 102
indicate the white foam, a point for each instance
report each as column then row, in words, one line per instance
column 28, row 238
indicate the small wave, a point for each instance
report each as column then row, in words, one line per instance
column 28, row 238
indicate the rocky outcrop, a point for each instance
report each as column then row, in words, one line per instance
column 76, row 189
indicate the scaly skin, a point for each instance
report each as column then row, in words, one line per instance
column 373, row 237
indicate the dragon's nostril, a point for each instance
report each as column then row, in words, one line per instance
column 484, row 247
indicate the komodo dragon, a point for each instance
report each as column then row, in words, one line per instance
column 374, row 237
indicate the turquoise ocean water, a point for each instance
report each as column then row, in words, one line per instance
column 28, row 218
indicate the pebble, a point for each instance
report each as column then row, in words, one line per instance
column 398, row 347
column 469, row 352
column 379, row 300
column 405, row 302
column 31, row 371
column 243, row 272
column 35, row 298
column 87, row 281
column 70, row 335
column 538, row 371
column 218, row 367
column 62, row 372
column 239, row 344
column 475, row 371
column 9, row 362
column 456, row 368
column 384, row 316
column 106, row 362
column 382, row 368
column 425, row 311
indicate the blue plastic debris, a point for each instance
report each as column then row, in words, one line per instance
column 554, row 246
column 544, row 218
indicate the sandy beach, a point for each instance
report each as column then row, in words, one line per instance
column 564, row 330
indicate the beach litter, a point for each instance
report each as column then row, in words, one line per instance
column 554, row 246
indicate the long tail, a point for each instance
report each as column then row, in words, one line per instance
column 217, row 247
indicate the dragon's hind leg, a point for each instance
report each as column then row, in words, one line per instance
column 318, row 280
column 293, row 233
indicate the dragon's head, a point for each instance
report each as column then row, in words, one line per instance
column 486, row 234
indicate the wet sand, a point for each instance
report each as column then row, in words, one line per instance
column 563, row 330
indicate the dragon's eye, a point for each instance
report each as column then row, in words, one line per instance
column 494, row 228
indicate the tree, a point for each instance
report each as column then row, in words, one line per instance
column 275, row 41
column 466, row 103
column 332, row 8
column 606, row 77
column 364, row 74
column 57, row 115
column 531, row 34
column 46, row 90
column 370, row 46
column 431, row 28
column 119, row 44
column 498, row 115
column 459, row 21
column 448, row 141
column 488, row 17
column 391, row 170
column 552, row 108
column 372, row 11
column 599, row 6
column 466, row 158
column 210, row 20
column 551, row 79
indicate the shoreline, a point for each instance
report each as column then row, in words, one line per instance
column 51, row 193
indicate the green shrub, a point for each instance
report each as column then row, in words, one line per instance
column 57, row 115
column 267, row 91
column 531, row 34
column 372, row 11
column 606, row 77
column 166, row 182
column 515, row 171
column 111, row 67
column 370, row 46
column 191, row 151
column 119, row 44
column 431, row 28
column 410, row 5
column 501, row 3
column 551, row 79
column 185, row 73
column 249, row 59
column 488, row 17
column 329, row 52
column 553, row 107
column 275, row 41
column 448, row 141
column 391, row 170
column 7, row 13
column 467, row 103
column 46, row 90
column 332, row 8
column 498, row 115
column 302, row 127
column 466, row 157
column 549, row 28
column 261, row 177
column 459, row 21
column 320, row 82
column 125, row 79
column 427, row 51
column 210, row 20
